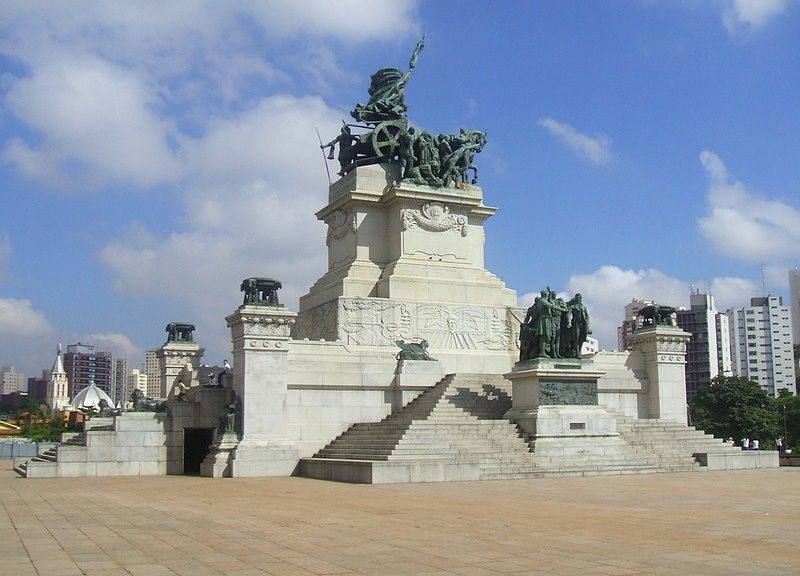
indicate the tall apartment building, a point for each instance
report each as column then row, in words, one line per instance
column 37, row 387
column 708, row 350
column 11, row 381
column 794, row 305
column 119, row 380
column 631, row 322
column 136, row 380
column 83, row 365
column 761, row 343
column 151, row 368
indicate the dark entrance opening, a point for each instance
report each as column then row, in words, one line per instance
column 196, row 446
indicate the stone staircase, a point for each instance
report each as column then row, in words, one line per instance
column 458, row 419
column 671, row 439
column 45, row 464
column 457, row 428
column 128, row 445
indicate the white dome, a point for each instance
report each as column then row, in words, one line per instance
column 90, row 397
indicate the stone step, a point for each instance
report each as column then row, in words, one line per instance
column 21, row 469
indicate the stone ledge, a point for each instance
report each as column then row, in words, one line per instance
column 385, row 472
column 743, row 460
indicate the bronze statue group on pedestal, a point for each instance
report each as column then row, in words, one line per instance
column 554, row 328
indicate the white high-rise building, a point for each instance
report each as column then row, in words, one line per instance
column 136, row 380
column 11, row 381
column 794, row 305
column 761, row 343
column 708, row 351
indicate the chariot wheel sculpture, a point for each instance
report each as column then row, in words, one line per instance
column 385, row 137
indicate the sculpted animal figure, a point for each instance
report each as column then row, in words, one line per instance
column 413, row 351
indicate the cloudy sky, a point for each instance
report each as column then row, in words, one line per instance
column 153, row 154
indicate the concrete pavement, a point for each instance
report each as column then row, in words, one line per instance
column 725, row 523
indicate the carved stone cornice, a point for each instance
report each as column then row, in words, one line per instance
column 261, row 328
column 667, row 344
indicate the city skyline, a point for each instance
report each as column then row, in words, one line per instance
column 150, row 160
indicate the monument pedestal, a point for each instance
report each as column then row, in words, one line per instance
column 664, row 351
column 218, row 463
column 173, row 358
column 555, row 405
column 260, row 336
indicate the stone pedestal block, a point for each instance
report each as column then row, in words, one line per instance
column 664, row 351
column 550, row 381
column 260, row 336
column 555, row 405
column 173, row 358
column 219, row 462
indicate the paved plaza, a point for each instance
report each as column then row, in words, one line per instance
column 726, row 523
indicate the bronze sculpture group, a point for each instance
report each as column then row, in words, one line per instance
column 424, row 159
column 179, row 332
column 261, row 291
column 554, row 328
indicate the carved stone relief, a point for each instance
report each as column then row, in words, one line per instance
column 381, row 322
column 339, row 224
column 316, row 323
column 433, row 217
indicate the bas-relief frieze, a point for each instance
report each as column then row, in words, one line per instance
column 381, row 323
column 433, row 217
column 317, row 323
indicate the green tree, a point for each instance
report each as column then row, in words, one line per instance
column 735, row 407
column 787, row 409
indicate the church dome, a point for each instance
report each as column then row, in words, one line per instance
column 90, row 397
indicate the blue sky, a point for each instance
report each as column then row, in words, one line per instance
column 152, row 155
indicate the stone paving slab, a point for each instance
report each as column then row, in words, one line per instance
column 702, row 523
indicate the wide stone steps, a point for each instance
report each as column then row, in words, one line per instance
column 438, row 425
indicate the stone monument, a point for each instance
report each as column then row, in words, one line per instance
column 554, row 390
column 260, row 330
column 179, row 350
column 406, row 241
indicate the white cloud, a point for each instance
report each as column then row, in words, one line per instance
column 744, row 225
column 608, row 289
column 344, row 19
column 249, row 212
column 97, row 125
column 112, row 92
column 741, row 15
column 18, row 318
column 118, row 344
column 597, row 148
column 733, row 292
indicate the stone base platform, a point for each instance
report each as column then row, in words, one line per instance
column 743, row 460
column 388, row 472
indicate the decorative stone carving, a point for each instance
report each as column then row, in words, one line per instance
column 434, row 217
column 340, row 223
column 567, row 393
column 267, row 326
column 317, row 323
